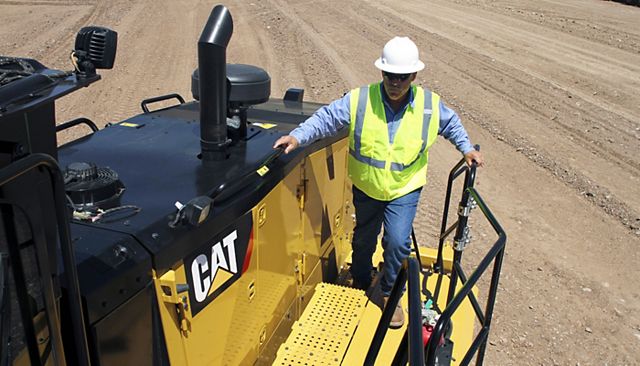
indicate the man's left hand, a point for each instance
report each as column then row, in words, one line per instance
column 474, row 155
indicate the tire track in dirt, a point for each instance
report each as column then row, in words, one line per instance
column 604, row 65
column 48, row 3
column 151, row 61
column 582, row 184
column 25, row 36
column 299, row 43
column 599, row 195
column 345, row 72
column 567, row 127
column 573, row 17
column 251, row 45
column 275, row 30
column 157, row 65
column 61, row 50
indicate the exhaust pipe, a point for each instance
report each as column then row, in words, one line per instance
column 212, row 66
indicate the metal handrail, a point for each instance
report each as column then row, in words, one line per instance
column 75, row 122
column 20, row 281
column 495, row 256
column 454, row 173
column 5, row 312
column 410, row 271
column 414, row 329
column 411, row 347
column 18, row 169
column 461, row 227
column 144, row 104
column 387, row 314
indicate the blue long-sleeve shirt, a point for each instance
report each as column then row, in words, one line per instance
column 329, row 119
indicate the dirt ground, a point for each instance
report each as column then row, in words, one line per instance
column 548, row 88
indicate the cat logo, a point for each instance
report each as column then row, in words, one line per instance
column 218, row 263
column 200, row 265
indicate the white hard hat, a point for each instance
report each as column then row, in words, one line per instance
column 400, row 56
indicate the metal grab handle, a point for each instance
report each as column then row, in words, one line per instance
column 469, row 181
column 145, row 102
column 75, row 122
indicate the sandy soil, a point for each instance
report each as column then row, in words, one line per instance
column 548, row 88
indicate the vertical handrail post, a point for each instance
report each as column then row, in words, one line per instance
column 416, row 350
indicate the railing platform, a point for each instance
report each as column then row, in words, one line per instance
column 339, row 323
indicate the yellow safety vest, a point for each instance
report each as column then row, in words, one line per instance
column 384, row 170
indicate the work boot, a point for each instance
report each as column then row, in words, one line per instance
column 360, row 285
column 397, row 320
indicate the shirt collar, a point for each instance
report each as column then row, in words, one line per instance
column 385, row 99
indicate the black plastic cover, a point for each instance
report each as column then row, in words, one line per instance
column 249, row 84
column 112, row 267
column 126, row 336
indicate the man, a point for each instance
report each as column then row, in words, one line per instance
column 392, row 124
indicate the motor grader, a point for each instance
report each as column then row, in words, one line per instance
column 179, row 236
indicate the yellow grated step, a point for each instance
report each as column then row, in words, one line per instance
column 323, row 332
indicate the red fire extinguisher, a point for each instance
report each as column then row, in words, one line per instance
column 427, row 330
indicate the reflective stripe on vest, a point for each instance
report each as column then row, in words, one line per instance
column 390, row 179
column 357, row 136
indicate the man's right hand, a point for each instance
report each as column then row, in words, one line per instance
column 289, row 143
column 474, row 156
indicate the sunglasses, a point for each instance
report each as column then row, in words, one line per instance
column 391, row 76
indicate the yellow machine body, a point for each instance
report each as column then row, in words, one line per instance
column 248, row 321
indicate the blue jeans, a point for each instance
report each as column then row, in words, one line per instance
column 397, row 216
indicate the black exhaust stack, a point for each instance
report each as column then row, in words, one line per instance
column 212, row 65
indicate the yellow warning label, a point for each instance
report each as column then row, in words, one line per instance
column 262, row 171
column 129, row 124
column 266, row 126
